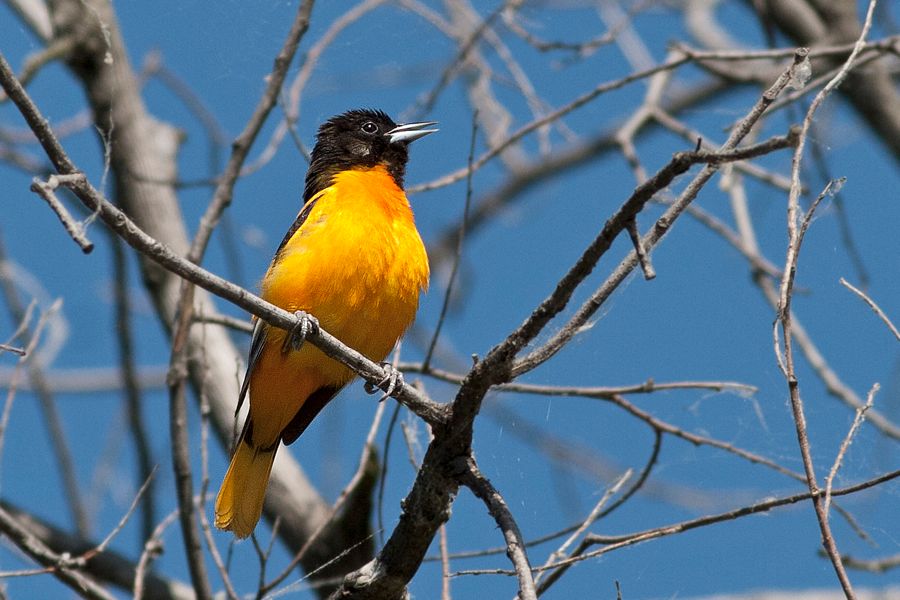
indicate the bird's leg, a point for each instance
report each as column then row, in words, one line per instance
column 392, row 377
column 306, row 324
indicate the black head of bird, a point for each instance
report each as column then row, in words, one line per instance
column 361, row 139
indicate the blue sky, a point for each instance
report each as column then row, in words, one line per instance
column 700, row 319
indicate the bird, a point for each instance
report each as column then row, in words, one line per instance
column 352, row 263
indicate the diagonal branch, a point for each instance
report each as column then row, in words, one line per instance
column 164, row 256
column 473, row 479
column 680, row 163
column 108, row 565
column 427, row 505
column 58, row 564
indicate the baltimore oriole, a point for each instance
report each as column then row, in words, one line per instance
column 354, row 261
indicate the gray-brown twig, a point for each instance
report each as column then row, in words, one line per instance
column 473, row 479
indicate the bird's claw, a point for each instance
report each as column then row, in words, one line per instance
column 306, row 324
column 392, row 377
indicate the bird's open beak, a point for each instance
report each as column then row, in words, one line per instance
column 410, row 132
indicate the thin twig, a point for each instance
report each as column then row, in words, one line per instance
column 643, row 256
column 472, row 478
column 131, row 387
column 795, row 237
column 13, row 350
column 459, row 247
column 24, row 321
column 613, row 543
column 701, row 440
column 885, row 44
column 368, row 462
column 647, row 387
column 47, row 191
column 152, row 548
column 595, row 513
column 62, row 567
column 845, row 445
column 787, row 365
column 101, row 547
column 873, row 306
column 297, row 584
column 57, row 433
column 445, row 565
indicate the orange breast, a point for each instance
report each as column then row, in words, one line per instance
column 358, row 265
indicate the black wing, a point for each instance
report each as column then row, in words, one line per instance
column 297, row 224
column 260, row 332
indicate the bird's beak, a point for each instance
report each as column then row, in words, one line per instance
column 410, row 132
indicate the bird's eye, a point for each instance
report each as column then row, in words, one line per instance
column 370, row 127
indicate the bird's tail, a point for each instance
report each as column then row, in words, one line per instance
column 240, row 500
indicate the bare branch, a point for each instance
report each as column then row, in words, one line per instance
column 614, row 225
column 845, row 445
column 874, row 566
column 76, row 231
column 560, row 553
column 795, row 238
column 131, row 386
column 472, row 478
column 613, row 543
column 58, row 439
column 873, row 306
column 62, row 567
column 34, row 14
column 164, row 256
column 459, row 246
column 13, row 349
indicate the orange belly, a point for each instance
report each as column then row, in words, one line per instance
column 358, row 265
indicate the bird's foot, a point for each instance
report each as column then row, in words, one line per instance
column 306, row 324
column 392, row 377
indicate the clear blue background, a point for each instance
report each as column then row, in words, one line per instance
column 700, row 319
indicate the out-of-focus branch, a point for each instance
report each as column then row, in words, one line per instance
column 61, row 566
column 879, row 565
column 107, row 566
column 131, row 388
column 59, row 48
column 143, row 152
column 57, row 434
column 553, row 166
column 34, row 13
column 872, row 93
